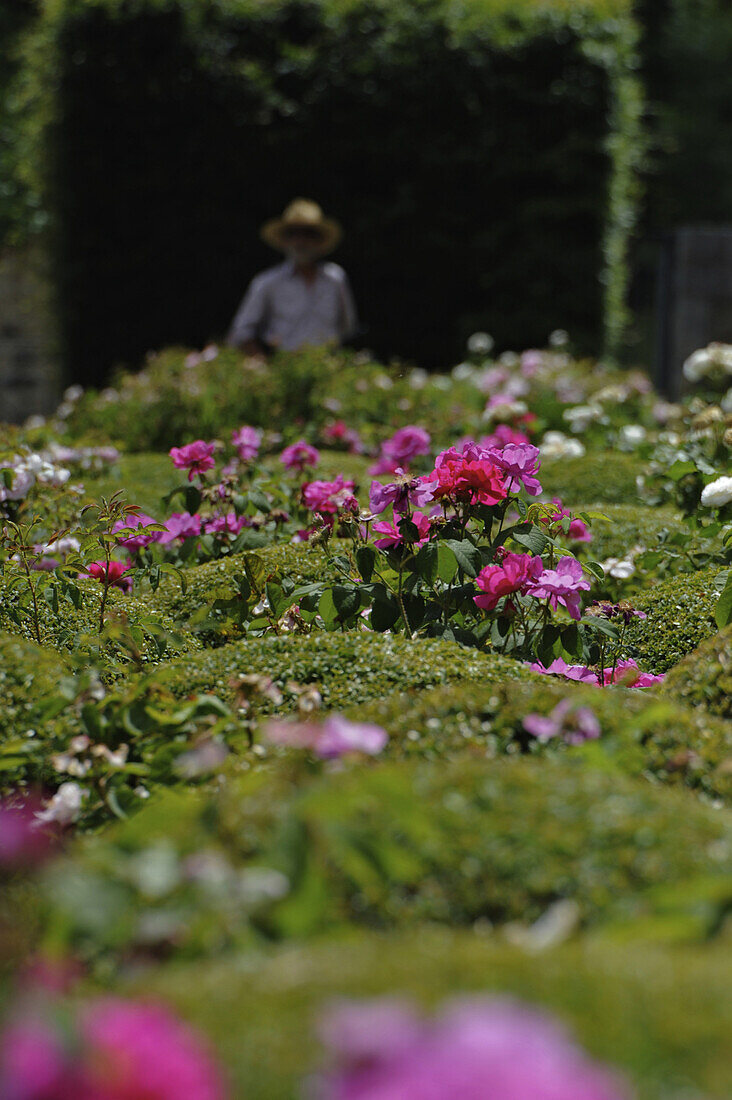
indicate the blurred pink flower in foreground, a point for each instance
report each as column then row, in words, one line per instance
column 117, row 1050
column 196, row 457
column 180, row 525
column 476, row 1049
column 573, row 724
column 22, row 843
column 334, row 737
column 137, row 541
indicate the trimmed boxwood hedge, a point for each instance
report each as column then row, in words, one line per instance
column 658, row 1014
column 347, row 668
column 78, row 628
column 213, row 580
column 388, row 844
column 29, row 675
column 643, row 734
column 632, row 525
column 704, row 678
column 679, row 616
column 597, row 477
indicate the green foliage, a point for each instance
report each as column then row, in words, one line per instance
column 213, row 586
column 629, row 1004
column 321, row 86
column 386, row 845
column 347, row 668
column 29, row 674
column 75, row 624
column 631, row 526
column 679, row 616
column 597, row 477
column 704, row 678
column 642, row 734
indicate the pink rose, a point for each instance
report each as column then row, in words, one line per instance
column 196, row 457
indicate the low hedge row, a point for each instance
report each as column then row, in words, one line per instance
column 679, row 616
column 29, row 675
column 70, row 627
column 599, row 477
column 641, row 734
column 347, row 669
column 214, row 581
column 280, row 852
column 631, row 526
column 704, row 678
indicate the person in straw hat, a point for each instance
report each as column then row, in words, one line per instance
column 303, row 300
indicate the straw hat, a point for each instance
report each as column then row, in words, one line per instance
column 302, row 212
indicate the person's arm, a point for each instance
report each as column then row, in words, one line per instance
column 248, row 319
column 348, row 320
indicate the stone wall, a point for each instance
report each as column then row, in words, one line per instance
column 30, row 376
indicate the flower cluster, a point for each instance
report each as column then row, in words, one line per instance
column 247, row 442
column 299, row 455
column 26, row 470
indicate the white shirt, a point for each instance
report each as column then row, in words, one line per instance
column 281, row 308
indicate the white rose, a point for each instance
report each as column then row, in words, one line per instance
column 717, row 493
column 726, row 401
column 480, row 343
column 633, row 433
column 697, row 365
column 65, row 806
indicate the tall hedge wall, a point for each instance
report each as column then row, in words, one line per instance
column 686, row 51
column 480, row 157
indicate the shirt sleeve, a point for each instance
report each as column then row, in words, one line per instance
column 348, row 319
column 250, row 314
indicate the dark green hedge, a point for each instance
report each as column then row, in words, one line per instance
column 592, row 479
column 704, row 678
column 384, row 845
column 679, row 616
column 78, row 627
column 171, row 130
column 642, row 733
column 347, row 668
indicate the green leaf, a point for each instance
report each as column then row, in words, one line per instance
column 347, row 602
column 446, row 563
column 365, row 560
column 384, row 613
column 426, row 562
column 534, row 540
column 468, row 557
column 260, row 501
column 723, row 609
column 193, row 498
column 596, row 569
column 680, row 469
